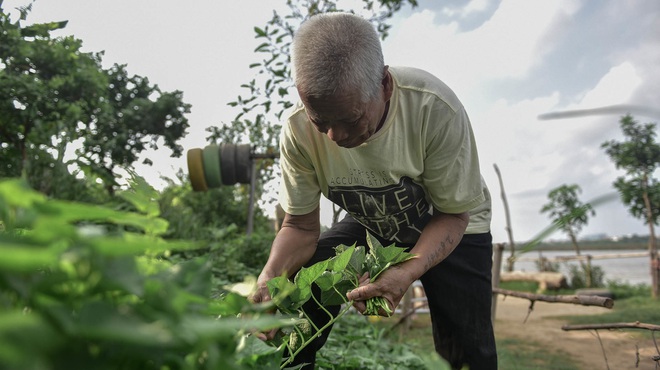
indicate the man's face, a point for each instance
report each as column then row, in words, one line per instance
column 344, row 118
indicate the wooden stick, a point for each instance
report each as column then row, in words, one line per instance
column 616, row 325
column 585, row 300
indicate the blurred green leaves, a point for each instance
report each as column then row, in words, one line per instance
column 87, row 286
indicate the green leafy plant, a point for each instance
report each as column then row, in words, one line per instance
column 88, row 286
column 335, row 277
column 357, row 344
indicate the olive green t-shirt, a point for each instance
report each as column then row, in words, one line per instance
column 423, row 158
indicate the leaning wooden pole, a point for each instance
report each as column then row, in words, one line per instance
column 496, row 273
column 585, row 300
column 610, row 326
column 508, row 228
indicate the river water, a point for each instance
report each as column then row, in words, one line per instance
column 631, row 270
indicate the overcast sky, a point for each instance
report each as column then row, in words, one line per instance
column 509, row 61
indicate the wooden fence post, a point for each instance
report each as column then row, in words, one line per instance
column 407, row 317
column 497, row 268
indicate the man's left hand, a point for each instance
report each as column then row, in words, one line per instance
column 392, row 284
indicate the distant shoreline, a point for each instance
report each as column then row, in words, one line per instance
column 635, row 243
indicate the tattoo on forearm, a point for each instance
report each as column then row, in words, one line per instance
column 440, row 252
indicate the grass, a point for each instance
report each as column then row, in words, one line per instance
column 384, row 342
column 515, row 354
column 632, row 303
column 512, row 354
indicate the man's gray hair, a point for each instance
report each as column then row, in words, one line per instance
column 337, row 53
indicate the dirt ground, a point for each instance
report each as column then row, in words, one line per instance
column 622, row 348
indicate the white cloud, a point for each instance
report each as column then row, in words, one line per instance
column 474, row 6
column 616, row 87
column 505, row 46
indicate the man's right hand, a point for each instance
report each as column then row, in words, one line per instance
column 262, row 295
column 293, row 246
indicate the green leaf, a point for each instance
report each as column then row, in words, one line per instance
column 136, row 244
column 23, row 338
column 17, row 193
column 254, row 353
column 329, row 279
column 259, row 32
column 142, row 196
column 74, row 212
column 231, row 304
column 381, row 258
column 306, row 276
column 374, row 244
column 261, row 48
column 355, row 265
column 342, row 259
column 102, row 321
column 284, row 293
column 337, row 294
column 121, row 273
column 21, row 258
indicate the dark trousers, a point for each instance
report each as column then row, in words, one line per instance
column 459, row 295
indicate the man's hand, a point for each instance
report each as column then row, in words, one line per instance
column 293, row 246
column 392, row 284
column 262, row 295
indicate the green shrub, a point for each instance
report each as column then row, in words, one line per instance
column 625, row 290
column 87, row 287
column 545, row 265
column 578, row 276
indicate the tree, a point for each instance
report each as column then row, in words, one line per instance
column 567, row 211
column 639, row 156
column 136, row 116
column 46, row 85
column 268, row 94
column 53, row 94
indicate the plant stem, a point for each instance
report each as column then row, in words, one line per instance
column 318, row 332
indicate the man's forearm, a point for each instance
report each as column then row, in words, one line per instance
column 439, row 238
column 291, row 249
column 294, row 244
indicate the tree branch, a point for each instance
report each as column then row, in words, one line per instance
column 585, row 300
column 616, row 325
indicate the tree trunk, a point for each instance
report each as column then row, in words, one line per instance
column 653, row 253
column 585, row 267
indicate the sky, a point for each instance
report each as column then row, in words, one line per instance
column 509, row 62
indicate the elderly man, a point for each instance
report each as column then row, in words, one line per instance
column 392, row 146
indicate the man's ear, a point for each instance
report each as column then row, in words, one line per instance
column 388, row 83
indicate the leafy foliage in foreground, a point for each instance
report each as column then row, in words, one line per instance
column 84, row 286
column 87, row 286
column 355, row 343
column 335, row 277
